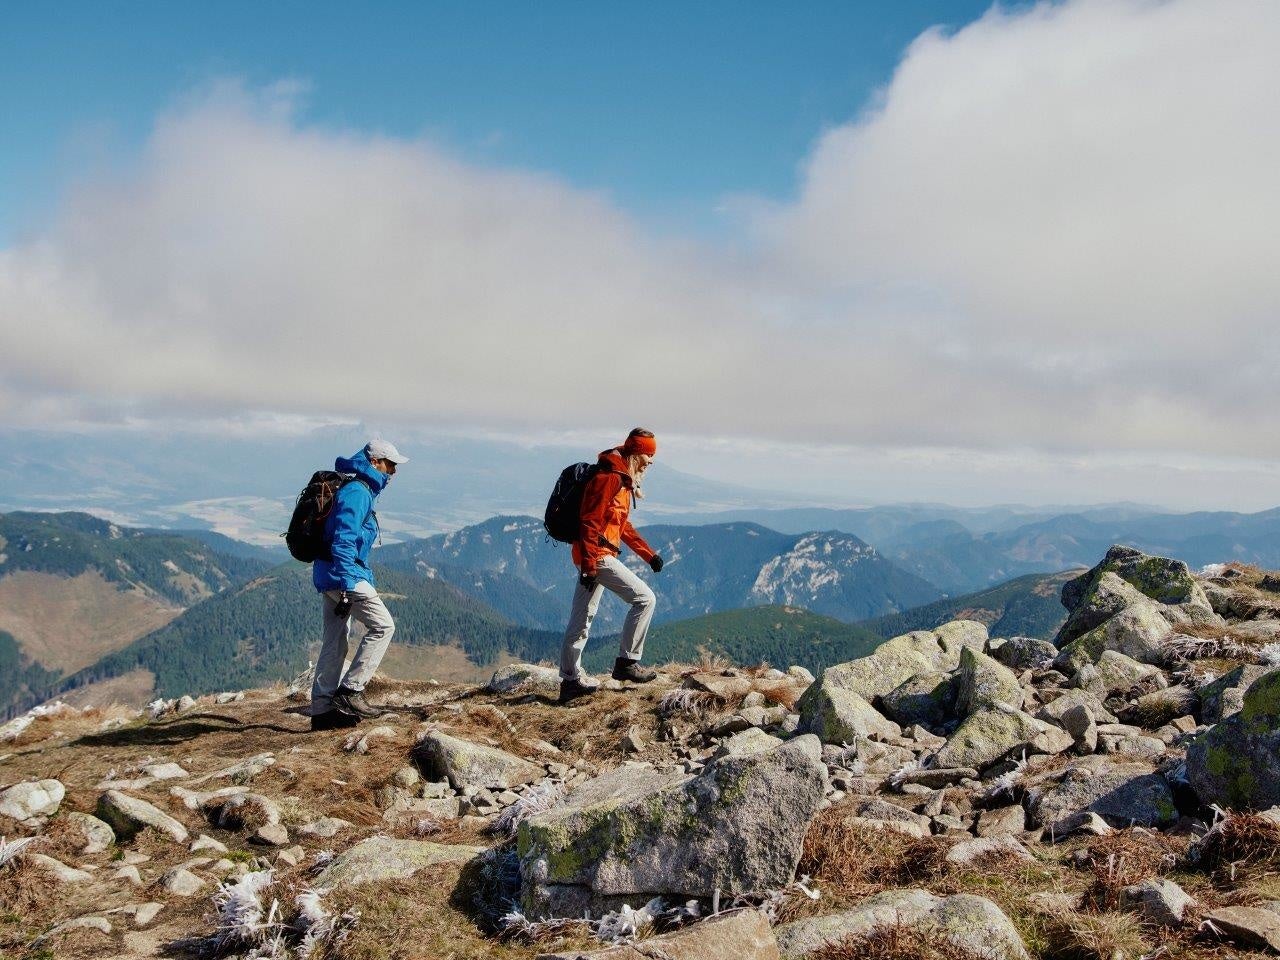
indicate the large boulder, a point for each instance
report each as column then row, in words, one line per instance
column 32, row 801
column 1123, row 794
column 1093, row 598
column 971, row 923
column 1056, row 709
column 989, row 735
column 1224, row 697
column 742, row 935
column 928, row 699
column 1138, row 631
column 1237, row 762
column 466, row 764
column 839, row 715
column 983, row 684
column 737, row 827
column 387, row 858
column 897, row 660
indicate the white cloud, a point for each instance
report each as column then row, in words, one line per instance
column 1054, row 232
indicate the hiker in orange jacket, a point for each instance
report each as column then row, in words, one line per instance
column 605, row 527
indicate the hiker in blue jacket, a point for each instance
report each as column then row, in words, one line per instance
column 347, row 591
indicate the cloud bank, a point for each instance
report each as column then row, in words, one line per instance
column 1054, row 231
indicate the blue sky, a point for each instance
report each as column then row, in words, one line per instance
column 666, row 106
column 948, row 251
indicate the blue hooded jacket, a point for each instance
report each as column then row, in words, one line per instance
column 351, row 528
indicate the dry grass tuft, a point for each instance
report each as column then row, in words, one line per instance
column 897, row 942
column 783, row 693
column 1158, row 708
column 1125, row 858
column 1088, row 935
column 857, row 860
column 1244, row 846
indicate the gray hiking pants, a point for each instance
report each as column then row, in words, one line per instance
column 611, row 574
column 368, row 609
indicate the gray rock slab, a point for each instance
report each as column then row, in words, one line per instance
column 467, row 764
column 386, row 858
column 128, row 816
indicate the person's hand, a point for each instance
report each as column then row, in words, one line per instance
column 656, row 564
column 587, row 580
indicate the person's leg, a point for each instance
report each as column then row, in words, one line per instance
column 617, row 578
column 585, row 604
column 367, row 607
column 333, row 651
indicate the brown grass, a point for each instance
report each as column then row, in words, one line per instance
column 1125, row 858
column 1243, row 847
column 856, row 860
column 427, row 915
column 1090, row 935
column 897, row 942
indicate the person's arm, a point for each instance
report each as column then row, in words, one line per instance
column 596, row 498
column 631, row 537
column 350, row 508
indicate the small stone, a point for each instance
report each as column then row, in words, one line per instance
column 185, row 702
column 406, row 777
column 32, row 801
column 1002, row 821
column 1161, row 902
column 293, row 856
column 98, row 836
column 222, row 866
column 633, row 742
column 987, row 848
column 205, row 842
column 507, row 797
column 754, row 699
column 270, row 834
column 61, row 872
column 1085, row 822
column 225, row 698
column 129, row 874
column 145, row 913
column 101, row 924
column 165, row 771
column 181, row 883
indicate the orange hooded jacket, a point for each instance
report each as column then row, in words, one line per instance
column 606, row 510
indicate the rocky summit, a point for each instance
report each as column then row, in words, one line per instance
column 953, row 795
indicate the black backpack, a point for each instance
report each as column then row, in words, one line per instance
column 305, row 536
column 563, row 518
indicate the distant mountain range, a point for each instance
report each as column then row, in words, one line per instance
column 961, row 550
column 86, row 604
column 509, row 563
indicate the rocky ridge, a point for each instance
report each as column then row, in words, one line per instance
column 973, row 796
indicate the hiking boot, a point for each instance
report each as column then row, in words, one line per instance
column 624, row 669
column 577, row 687
column 352, row 702
column 333, row 720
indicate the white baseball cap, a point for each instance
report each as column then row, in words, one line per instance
column 384, row 450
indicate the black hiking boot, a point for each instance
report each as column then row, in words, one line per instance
column 353, row 703
column 624, row 669
column 332, row 720
column 572, row 689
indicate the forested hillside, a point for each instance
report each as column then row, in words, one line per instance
column 777, row 635
column 1028, row 606
column 266, row 630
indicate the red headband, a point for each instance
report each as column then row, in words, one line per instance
column 637, row 444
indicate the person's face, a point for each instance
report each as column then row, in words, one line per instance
column 642, row 463
column 384, row 466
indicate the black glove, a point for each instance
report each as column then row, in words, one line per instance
column 587, row 580
column 343, row 607
column 656, row 564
